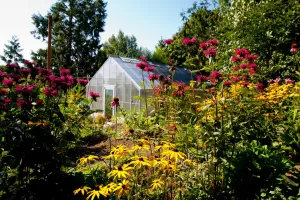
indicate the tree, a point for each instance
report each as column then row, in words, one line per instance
column 144, row 51
column 12, row 51
column 77, row 25
column 122, row 45
column 160, row 56
column 199, row 22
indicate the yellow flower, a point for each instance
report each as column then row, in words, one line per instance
column 157, row 184
column 117, row 152
column 85, row 160
column 173, row 154
column 108, row 189
column 144, row 141
column 159, row 161
column 140, row 146
column 123, row 187
column 83, row 190
column 166, row 145
column 140, row 161
column 96, row 193
column 120, row 171
column 169, row 167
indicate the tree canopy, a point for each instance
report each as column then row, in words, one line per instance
column 12, row 51
column 124, row 45
column 77, row 25
column 267, row 27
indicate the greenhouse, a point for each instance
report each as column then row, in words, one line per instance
column 119, row 76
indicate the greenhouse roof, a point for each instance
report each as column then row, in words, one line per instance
column 129, row 66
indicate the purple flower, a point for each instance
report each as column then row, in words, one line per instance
column 153, row 77
column 288, row 80
column 259, row 87
column 3, row 92
column 293, row 50
column 22, row 103
column 2, row 74
column 203, row 45
column 8, row 82
column 251, row 58
column 64, row 72
column 82, row 81
column 236, row 68
column 12, row 65
column 236, row 59
column 115, row 102
column 241, row 52
column 277, row 80
column 211, row 52
column 168, row 41
column 7, row 100
column 27, row 62
column 213, row 42
column 25, row 90
column 244, row 66
column 143, row 58
column 142, row 65
column 25, row 72
column 149, row 69
column 227, row 83
column 215, row 76
column 186, row 41
column 94, row 95
column 50, row 92
column 201, row 78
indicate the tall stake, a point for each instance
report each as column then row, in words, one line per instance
column 49, row 41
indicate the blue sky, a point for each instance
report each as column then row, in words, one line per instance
column 147, row 20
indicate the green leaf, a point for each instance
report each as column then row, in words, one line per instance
column 289, row 180
column 137, row 97
column 295, row 114
column 142, row 83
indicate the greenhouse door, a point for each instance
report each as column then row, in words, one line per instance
column 109, row 93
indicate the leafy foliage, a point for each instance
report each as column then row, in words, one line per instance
column 77, row 25
column 41, row 116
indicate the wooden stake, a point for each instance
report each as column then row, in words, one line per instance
column 49, row 41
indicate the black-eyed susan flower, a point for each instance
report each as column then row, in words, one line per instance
column 83, row 190
column 123, row 187
column 121, row 171
column 157, row 184
column 173, row 154
column 159, row 162
column 109, row 188
column 96, row 193
column 139, row 161
column 140, row 146
column 117, row 152
column 86, row 159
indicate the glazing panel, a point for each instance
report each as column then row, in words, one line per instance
column 108, row 99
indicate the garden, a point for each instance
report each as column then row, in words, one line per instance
column 232, row 133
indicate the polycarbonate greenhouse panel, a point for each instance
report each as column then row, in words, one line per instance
column 129, row 66
column 123, row 75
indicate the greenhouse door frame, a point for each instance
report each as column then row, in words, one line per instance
column 108, row 87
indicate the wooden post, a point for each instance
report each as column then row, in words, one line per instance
column 49, row 41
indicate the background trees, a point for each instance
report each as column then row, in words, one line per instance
column 124, row 45
column 77, row 25
column 267, row 27
column 12, row 51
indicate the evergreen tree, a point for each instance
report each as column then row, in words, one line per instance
column 12, row 51
column 122, row 45
column 77, row 25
